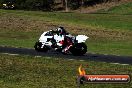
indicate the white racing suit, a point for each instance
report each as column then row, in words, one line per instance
column 63, row 41
column 59, row 40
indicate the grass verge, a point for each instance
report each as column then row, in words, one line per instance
column 47, row 72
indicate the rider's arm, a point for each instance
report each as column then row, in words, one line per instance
column 52, row 31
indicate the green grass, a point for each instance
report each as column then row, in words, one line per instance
column 49, row 72
column 105, row 21
column 19, row 39
column 111, row 47
column 109, row 33
column 122, row 9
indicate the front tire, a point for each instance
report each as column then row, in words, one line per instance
column 79, row 49
column 38, row 48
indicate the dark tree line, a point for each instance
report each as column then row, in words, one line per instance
column 75, row 4
column 52, row 4
column 31, row 4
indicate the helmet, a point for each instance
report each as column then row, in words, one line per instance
column 61, row 30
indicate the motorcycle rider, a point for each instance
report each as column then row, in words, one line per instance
column 62, row 40
column 66, row 41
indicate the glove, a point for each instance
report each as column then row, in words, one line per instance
column 50, row 30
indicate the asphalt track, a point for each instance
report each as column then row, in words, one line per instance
column 88, row 56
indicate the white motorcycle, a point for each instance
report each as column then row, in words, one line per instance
column 48, row 41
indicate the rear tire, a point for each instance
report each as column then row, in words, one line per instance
column 78, row 49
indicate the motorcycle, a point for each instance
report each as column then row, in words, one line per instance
column 48, row 41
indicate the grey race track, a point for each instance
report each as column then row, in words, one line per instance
column 88, row 56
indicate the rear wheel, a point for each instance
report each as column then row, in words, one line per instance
column 79, row 49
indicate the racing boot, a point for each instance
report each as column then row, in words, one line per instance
column 66, row 50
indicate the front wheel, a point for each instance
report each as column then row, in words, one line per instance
column 38, row 48
column 79, row 49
